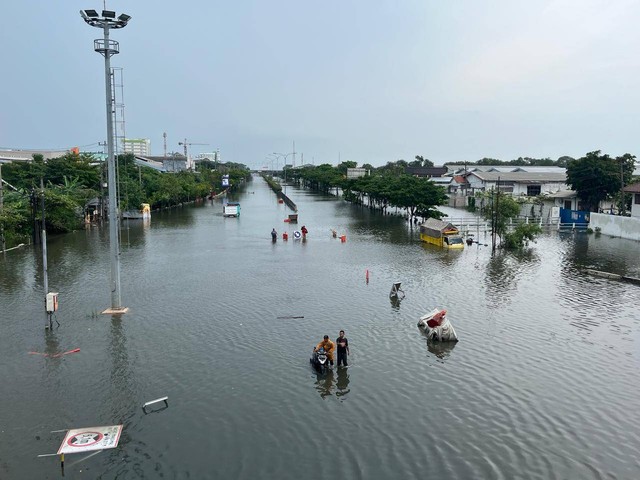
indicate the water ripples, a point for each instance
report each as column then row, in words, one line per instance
column 543, row 383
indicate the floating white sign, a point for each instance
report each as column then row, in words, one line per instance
column 91, row 438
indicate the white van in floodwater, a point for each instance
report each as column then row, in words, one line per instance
column 231, row 209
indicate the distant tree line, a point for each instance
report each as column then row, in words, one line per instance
column 383, row 187
column 71, row 180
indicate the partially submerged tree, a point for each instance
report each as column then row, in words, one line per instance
column 499, row 210
column 521, row 236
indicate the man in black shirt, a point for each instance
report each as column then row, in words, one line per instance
column 343, row 348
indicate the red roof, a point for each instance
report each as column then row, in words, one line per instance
column 459, row 179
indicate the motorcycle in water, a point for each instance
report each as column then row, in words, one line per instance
column 319, row 360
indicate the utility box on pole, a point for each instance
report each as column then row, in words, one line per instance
column 52, row 302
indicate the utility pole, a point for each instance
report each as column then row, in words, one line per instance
column 4, row 245
column 45, row 271
column 496, row 205
column 622, row 186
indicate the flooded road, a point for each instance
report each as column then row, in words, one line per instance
column 544, row 382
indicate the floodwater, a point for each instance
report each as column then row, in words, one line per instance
column 544, row 383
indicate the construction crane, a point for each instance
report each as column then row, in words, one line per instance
column 186, row 152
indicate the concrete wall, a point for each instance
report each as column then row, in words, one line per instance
column 624, row 227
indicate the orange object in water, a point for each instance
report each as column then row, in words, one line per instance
column 285, row 236
column 436, row 320
column 286, row 220
column 280, row 200
column 343, row 238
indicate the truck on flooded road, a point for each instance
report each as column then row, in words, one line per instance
column 442, row 234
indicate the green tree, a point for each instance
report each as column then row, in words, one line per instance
column 420, row 161
column 563, row 161
column 597, row 177
column 500, row 208
column 521, row 236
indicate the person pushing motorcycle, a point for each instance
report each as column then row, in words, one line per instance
column 328, row 346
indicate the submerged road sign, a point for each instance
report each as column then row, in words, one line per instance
column 91, row 438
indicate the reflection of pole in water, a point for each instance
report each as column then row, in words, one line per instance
column 121, row 388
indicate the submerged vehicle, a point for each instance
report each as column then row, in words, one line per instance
column 437, row 326
column 143, row 213
column 231, row 209
column 319, row 360
column 442, row 234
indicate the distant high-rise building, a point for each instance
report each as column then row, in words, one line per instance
column 137, row 146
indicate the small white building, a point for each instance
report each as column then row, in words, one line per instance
column 634, row 190
column 518, row 183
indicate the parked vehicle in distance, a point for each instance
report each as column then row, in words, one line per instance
column 231, row 209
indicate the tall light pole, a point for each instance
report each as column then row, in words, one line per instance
column 2, row 242
column 284, row 166
column 107, row 48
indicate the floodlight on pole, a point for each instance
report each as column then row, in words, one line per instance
column 284, row 166
column 107, row 48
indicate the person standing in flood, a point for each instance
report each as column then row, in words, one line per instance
column 343, row 348
column 274, row 235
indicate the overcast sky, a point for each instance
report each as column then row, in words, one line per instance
column 365, row 80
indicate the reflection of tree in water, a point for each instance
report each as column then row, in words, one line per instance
column 503, row 271
column 324, row 383
column 342, row 383
column 174, row 218
column 599, row 253
column 18, row 269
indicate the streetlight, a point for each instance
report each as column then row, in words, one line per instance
column 272, row 158
column 284, row 166
column 107, row 48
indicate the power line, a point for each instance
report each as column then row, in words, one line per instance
column 49, row 148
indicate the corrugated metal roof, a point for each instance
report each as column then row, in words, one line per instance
column 439, row 225
column 522, row 176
